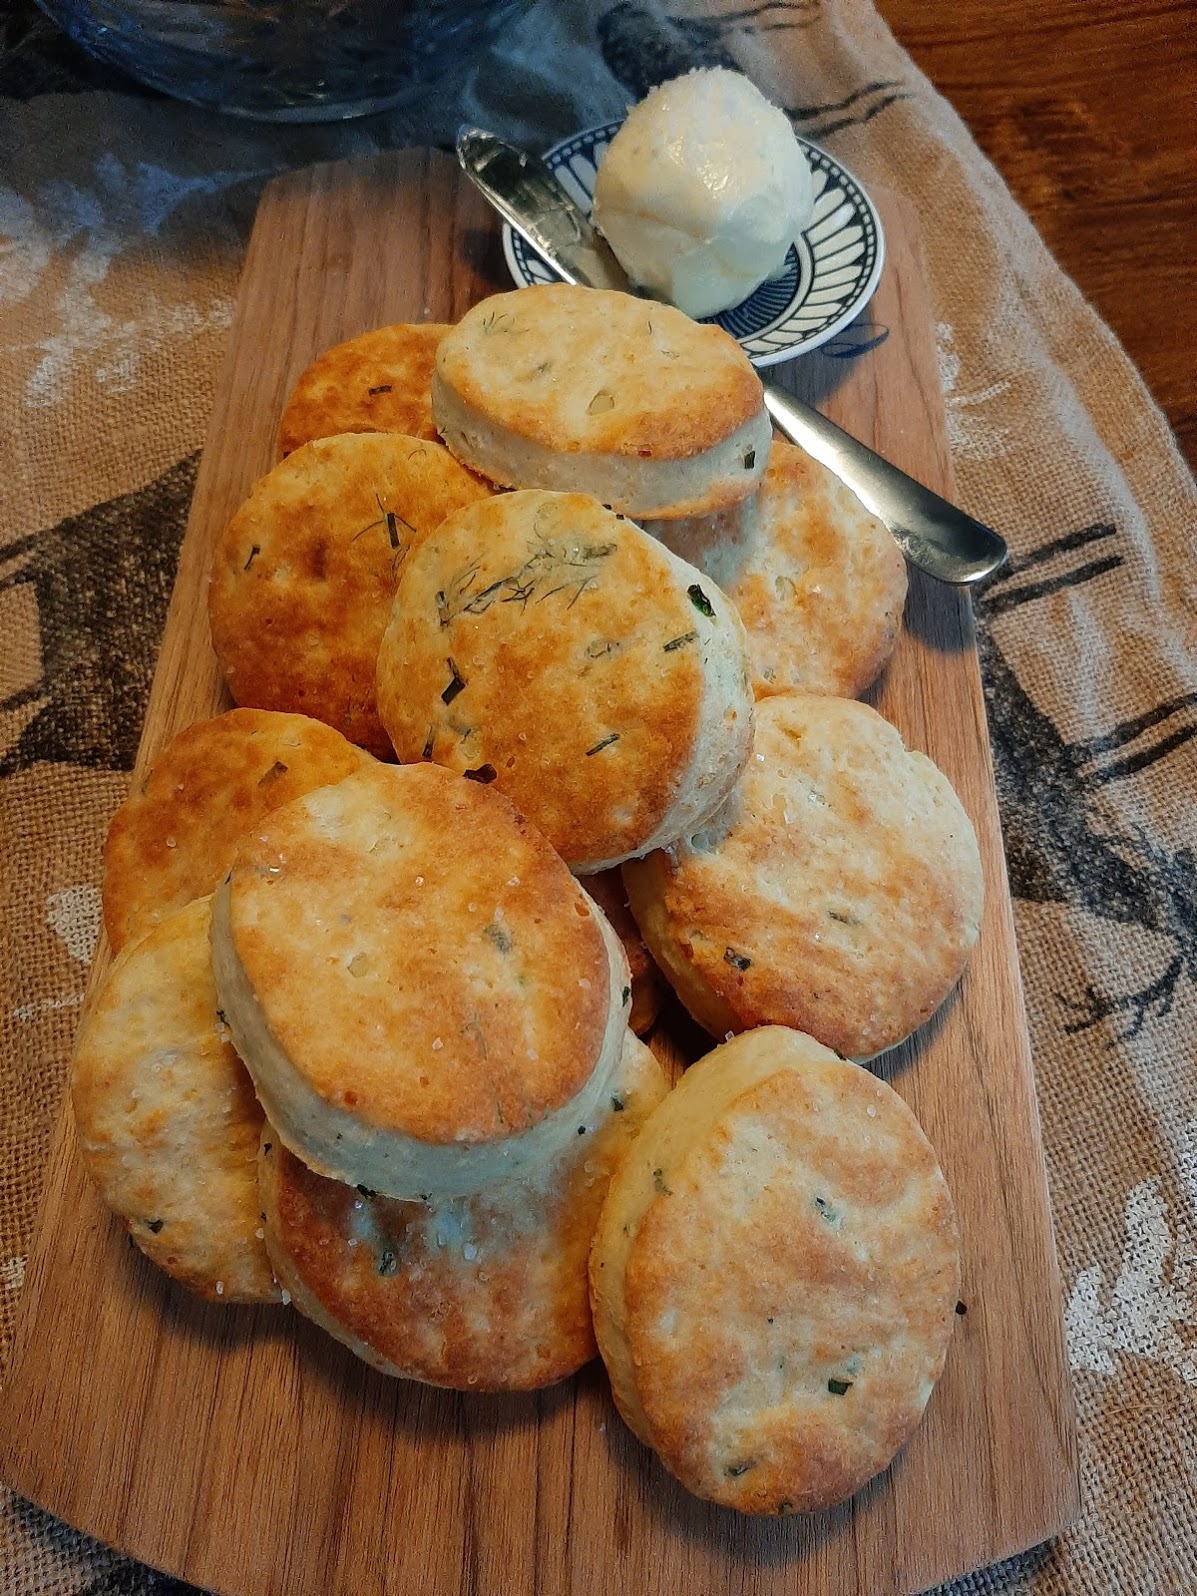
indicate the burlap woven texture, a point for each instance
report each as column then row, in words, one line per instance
column 122, row 222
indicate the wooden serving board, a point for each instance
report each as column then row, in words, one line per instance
column 243, row 1450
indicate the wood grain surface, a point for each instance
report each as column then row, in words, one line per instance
column 1087, row 108
column 243, row 1450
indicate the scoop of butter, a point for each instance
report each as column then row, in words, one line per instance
column 702, row 191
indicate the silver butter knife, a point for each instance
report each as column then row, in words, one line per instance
column 933, row 534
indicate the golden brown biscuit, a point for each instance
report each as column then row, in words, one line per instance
column 583, row 390
column 483, row 1293
column 648, row 984
column 174, row 837
column 423, row 994
column 774, row 1276
column 166, row 1116
column 601, row 682
column 303, row 575
column 838, row 890
column 378, row 382
column 819, row 582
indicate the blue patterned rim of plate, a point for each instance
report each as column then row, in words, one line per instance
column 830, row 272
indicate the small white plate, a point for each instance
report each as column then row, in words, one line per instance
column 830, row 272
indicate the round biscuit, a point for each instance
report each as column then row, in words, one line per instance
column 303, row 575
column 166, row 1116
column 838, row 890
column 586, row 390
column 174, row 837
column 819, row 582
column 774, row 1276
column 378, row 382
column 648, row 984
column 423, row 994
column 549, row 643
column 482, row 1293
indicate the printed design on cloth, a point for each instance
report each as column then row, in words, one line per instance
column 74, row 915
column 643, row 48
column 88, row 228
column 972, row 432
column 1155, row 1292
column 1062, row 846
column 102, row 582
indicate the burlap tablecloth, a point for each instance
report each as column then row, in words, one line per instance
column 123, row 218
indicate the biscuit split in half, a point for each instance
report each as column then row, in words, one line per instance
column 166, row 1116
column 774, row 1276
column 838, row 890
column 542, row 641
column 485, row 1293
column 425, row 997
column 380, row 381
column 589, row 391
column 303, row 575
column 174, row 837
column 818, row 581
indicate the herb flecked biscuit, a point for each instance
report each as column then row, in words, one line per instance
column 838, row 890
column 302, row 577
column 378, row 382
column 774, row 1276
column 546, row 643
column 648, row 984
column 585, row 390
column 175, row 835
column 166, row 1115
column 423, row 994
column 485, row 1293
column 819, row 583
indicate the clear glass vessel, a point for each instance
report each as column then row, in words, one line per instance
column 285, row 60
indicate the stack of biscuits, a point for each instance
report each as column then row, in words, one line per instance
column 547, row 661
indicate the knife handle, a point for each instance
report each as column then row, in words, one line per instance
column 932, row 534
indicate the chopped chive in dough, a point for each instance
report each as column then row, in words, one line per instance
column 383, row 387
column 597, row 650
column 679, row 642
column 456, row 685
column 155, row 1225
column 961, row 1307
column 617, row 1103
column 253, row 554
column 738, row 961
column 484, row 773
column 700, row 601
column 496, row 934
column 603, row 743
column 442, row 609
column 826, row 1209
column 276, row 770
column 627, row 994
column 220, row 1016
column 838, row 1387
column 750, row 460
column 734, row 1470
column 386, row 1262
column 366, row 1192
column 427, row 754
column 660, row 1184
column 844, row 919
